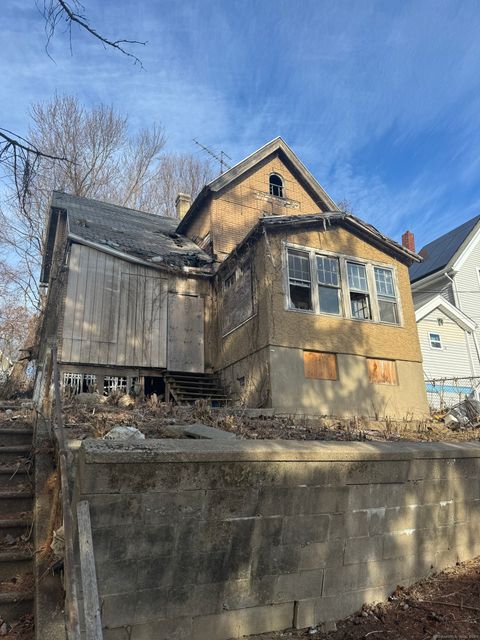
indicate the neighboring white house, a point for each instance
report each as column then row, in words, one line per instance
column 446, row 295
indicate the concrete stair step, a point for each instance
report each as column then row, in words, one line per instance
column 10, row 437
column 16, row 501
column 12, row 477
column 15, row 561
column 15, row 602
column 15, row 525
column 14, row 453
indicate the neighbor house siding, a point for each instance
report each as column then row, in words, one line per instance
column 467, row 288
column 452, row 360
column 441, row 286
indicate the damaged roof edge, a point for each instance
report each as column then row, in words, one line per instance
column 155, row 263
column 52, row 224
column 325, row 219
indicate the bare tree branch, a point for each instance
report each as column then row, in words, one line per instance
column 57, row 11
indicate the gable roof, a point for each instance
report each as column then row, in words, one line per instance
column 277, row 145
column 439, row 253
column 141, row 235
column 439, row 302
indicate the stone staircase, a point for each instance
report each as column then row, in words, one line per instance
column 187, row 388
column 16, row 504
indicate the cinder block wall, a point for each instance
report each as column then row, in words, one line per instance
column 209, row 541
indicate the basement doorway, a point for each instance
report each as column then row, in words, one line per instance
column 155, row 384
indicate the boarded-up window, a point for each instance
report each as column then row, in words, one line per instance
column 381, row 371
column 320, row 366
column 237, row 303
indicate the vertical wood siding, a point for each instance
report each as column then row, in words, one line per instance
column 185, row 333
column 115, row 312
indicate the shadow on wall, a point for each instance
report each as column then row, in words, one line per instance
column 264, row 535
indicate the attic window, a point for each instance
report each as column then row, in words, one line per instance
column 276, row 185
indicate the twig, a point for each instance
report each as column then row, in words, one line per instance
column 449, row 604
column 53, row 12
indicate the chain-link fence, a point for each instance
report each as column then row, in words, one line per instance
column 443, row 393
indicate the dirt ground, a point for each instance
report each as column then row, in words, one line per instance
column 443, row 607
column 155, row 420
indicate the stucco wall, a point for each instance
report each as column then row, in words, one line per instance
column 352, row 394
column 204, row 541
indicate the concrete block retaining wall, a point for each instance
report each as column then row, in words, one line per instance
column 209, row 540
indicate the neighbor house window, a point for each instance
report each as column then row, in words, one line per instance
column 386, row 297
column 358, row 286
column 299, row 280
column 328, row 277
column 276, row 185
column 435, row 341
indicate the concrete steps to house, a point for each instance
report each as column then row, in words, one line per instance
column 16, row 507
column 14, row 453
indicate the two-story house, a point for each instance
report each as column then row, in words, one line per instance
column 446, row 293
column 262, row 282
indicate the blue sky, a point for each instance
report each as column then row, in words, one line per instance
column 379, row 99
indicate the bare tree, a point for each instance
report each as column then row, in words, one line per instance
column 180, row 173
column 106, row 162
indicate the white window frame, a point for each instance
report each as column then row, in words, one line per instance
column 394, row 299
column 439, row 341
column 345, row 309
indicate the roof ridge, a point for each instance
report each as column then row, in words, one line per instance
column 111, row 204
column 447, row 233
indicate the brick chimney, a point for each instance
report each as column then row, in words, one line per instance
column 182, row 204
column 408, row 241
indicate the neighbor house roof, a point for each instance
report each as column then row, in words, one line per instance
column 275, row 146
column 440, row 303
column 144, row 236
column 438, row 254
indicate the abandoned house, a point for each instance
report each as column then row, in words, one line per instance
column 261, row 294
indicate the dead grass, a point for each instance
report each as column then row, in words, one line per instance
column 156, row 419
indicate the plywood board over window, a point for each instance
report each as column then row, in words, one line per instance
column 320, row 366
column 381, row 371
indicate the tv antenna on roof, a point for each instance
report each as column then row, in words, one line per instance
column 216, row 156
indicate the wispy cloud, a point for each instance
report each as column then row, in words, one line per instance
column 379, row 99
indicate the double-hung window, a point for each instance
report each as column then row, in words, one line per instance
column 341, row 285
column 358, row 290
column 328, row 278
column 435, row 340
column 299, row 280
column 386, row 297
